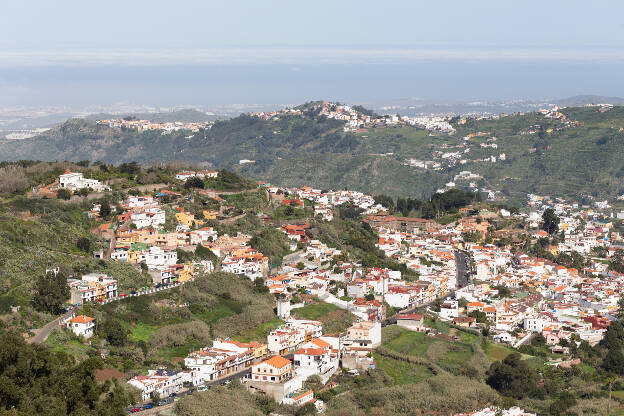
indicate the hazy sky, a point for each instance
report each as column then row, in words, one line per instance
column 81, row 52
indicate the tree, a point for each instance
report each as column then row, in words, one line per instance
column 617, row 261
column 562, row 404
column 289, row 211
column 259, row 286
column 155, row 396
column 205, row 253
column 306, row 409
column 550, row 221
column 114, row 332
column 300, row 265
column 614, row 362
column 314, row 382
column 503, row 291
column 471, row 236
column 194, row 182
column 620, row 313
column 614, row 337
column 105, row 210
column 539, row 340
column 84, row 244
column 610, row 379
column 38, row 381
column 52, row 291
column 63, row 194
column 480, row 316
column 512, row 377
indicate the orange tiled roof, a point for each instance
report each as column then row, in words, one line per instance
column 277, row 361
column 81, row 319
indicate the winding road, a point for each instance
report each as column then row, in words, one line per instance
column 41, row 334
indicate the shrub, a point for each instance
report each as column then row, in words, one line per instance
column 84, row 244
column 178, row 334
column 194, row 182
column 63, row 194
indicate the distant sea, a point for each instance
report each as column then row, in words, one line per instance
column 290, row 84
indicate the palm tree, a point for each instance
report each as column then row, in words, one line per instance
column 610, row 379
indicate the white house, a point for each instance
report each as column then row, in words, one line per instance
column 91, row 288
column 161, row 382
column 119, row 255
column 364, row 334
column 314, row 361
column 154, row 217
column 223, row 358
column 82, row 325
column 449, row 309
column 276, row 369
column 74, row 181
column 156, row 258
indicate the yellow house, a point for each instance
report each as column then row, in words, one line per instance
column 260, row 350
column 186, row 273
column 134, row 256
column 186, row 218
column 210, row 214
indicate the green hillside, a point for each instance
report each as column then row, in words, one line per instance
column 543, row 155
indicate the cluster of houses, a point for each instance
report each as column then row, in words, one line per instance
column 294, row 352
column 434, row 123
column 245, row 261
column 495, row 411
column 140, row 237
column 186, row 174
column 325, row 200
column 516, row 295
column 584, row 227
column 540, row 296
column 355, row 119
column 146, row 125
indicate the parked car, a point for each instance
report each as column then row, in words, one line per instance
column 148, row 406
column 136, row 409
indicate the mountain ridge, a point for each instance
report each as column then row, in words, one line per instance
column 574, row 152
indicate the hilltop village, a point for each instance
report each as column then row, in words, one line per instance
column 544, row 279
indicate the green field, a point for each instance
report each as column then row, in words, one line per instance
column 334, row 319
column 260, row 332
column 141, row 332
column 448, row 354
column 315, row 311
column 169, row 353
column 400, row 371
column 496, row 352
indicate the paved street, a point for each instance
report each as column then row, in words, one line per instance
column 42, row 334
column 463, row 274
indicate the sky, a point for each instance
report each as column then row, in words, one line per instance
column 217, row 52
